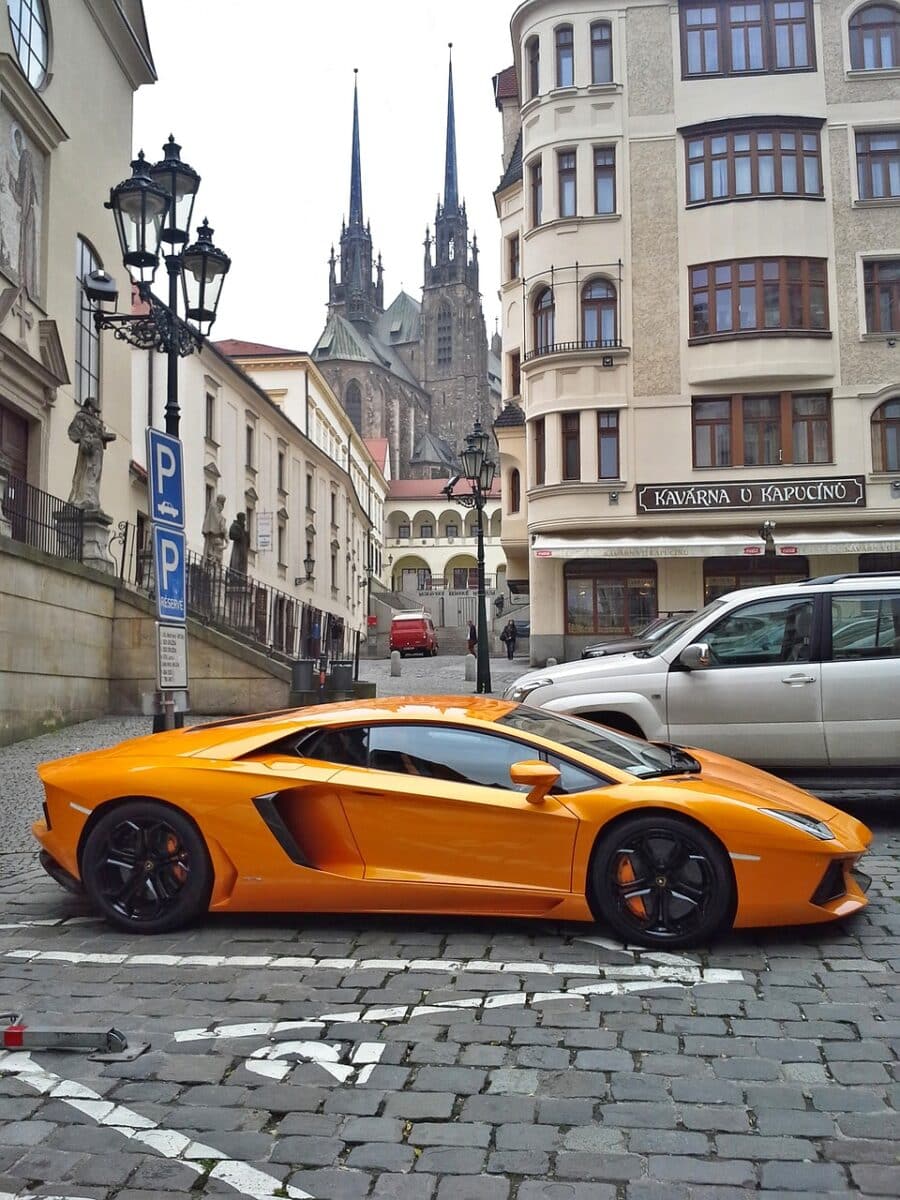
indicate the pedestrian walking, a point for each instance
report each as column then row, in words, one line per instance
column 473, row 637
column 508, row 635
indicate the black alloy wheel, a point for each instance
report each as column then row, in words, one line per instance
column 661, row 881
column 146, row 868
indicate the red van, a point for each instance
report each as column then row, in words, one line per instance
column 413, row 633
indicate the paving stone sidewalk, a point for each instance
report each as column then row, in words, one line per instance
column 404, row 1058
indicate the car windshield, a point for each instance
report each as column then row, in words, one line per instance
column 660, row 646
column 608, row 746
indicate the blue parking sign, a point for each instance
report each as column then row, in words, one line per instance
column 169, row 568
column 166, row 478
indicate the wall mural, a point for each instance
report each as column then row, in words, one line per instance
column 21, row 204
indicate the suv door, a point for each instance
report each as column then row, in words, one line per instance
column 861, row 679
column 760, row 699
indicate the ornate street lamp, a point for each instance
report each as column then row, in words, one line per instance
column 155, row 206
column 479, row 471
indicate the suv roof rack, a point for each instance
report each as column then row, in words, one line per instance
column 851, row 575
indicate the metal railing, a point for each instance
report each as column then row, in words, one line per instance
column 238, row 605
column 41, row 520
column 597, row 344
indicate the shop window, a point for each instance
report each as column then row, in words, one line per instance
column 615, row 598
column 721, row 575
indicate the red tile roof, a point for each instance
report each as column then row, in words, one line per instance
column 235, row 348
column 430, row 489
column 506, row 86
column 378, row 448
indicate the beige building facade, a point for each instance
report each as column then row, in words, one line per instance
column 700, row 221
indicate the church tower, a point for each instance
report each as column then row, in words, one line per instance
column 455, row 350
column 357, row 297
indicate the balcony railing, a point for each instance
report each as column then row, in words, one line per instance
column 41, row 520
column 573, row 348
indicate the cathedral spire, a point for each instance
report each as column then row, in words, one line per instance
column 356, row 208
column 451, row 186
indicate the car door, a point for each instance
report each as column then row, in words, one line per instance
column 437, row 805
column 861, row 679
column 760, row 698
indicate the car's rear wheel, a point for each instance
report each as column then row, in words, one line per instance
column 660, row 881
column 146, row 867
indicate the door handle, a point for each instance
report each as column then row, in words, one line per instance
column 798, row 680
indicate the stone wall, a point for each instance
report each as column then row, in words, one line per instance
column 75, row 644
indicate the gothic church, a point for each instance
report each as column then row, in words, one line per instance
column 415, row 373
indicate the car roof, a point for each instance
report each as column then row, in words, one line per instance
column 238, row 736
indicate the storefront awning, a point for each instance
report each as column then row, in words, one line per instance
column 715, row 545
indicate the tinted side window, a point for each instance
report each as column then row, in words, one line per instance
column 346, row 746
column 865, row 626
column 767, row 631
column 443, row 752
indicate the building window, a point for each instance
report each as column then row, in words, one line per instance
column 601, row 52
column 444, row 335
column 619, row 598
column 426, row 531
column 604, row 179
column 515, row 373
column 515, row 266
column 334, row 508
column 251, row 525
column 758, row 295
column 31, row 40
column 598, row 314
column 452, row 530
column 537, row 192
column 465, row 579
column 565, row 161
column 886, row 436
column 282, row 542
column 608, row 445
column 571, row 445
column 281, row 470
column 310, row 492
column 210, row 417
column 761, row 163
column 515, row 491
column 353, row 404
column 875, row 38
column 565, row 57
column 533, row 55
column 878, row 164
column 882, row 287
column 719, row 37
column 540, row 453
column 403, row 531
column 721, row 575
column 757, row 431
column 250, row 448
column 87, row 336
column 334, row 569
column 544, row 311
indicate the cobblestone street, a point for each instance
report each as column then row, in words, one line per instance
column 407, row 1058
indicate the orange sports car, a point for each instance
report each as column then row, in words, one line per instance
column 443, row 804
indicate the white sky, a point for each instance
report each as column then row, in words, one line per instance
column 260, row 96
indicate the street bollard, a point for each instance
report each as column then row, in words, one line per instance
column 395, row 664
column 471, row 668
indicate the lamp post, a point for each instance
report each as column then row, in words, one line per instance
column 155, row 206
column 478, row 470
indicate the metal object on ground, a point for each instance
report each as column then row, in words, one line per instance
column 106, row 1045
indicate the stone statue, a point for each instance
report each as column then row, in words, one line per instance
column 215, row 530
column 91, row 436
column 240, row 538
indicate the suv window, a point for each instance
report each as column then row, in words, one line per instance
column 865, row 626
column 767, row 631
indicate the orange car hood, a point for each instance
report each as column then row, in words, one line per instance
column 737, row 781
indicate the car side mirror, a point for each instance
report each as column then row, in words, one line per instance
column 696, row 657
column 539, row 777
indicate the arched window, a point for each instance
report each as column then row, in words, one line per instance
column 353, row 404
column 533, row 58
column 601, row 52
column 31, row 38
column 875, row 38
column 515, row 491
column 565, row 56
column 444, row 335
column 886, row 436
column 599, row 325
column 87, row 336
column 544, row 312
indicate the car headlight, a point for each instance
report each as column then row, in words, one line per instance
column 518, row 691
column 801, row 821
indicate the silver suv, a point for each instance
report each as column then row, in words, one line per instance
column 794, row 675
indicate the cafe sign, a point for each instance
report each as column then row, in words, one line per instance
column 847, row 491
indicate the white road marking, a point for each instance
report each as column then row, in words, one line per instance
column 241, row 1176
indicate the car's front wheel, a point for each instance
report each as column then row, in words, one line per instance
column 660, row 881
column 146, row 867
